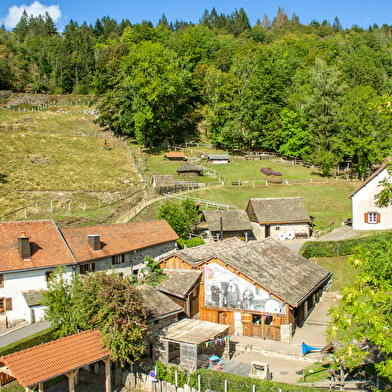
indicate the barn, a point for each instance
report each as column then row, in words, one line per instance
column 258, row 288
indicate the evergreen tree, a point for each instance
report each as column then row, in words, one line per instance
column 22, row 26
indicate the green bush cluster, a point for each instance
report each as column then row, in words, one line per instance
column 215, row 381
column 332, row 248
column 190, row 243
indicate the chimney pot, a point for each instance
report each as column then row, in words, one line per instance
column 24, row 246
column 94, row 240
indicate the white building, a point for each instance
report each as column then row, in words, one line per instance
column 30, row 251
column 365, row 214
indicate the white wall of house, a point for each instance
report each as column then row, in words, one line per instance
column 15, row 283
column 363, row 204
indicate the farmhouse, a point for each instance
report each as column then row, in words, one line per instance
column 365, row 214
column 190, row 169
column 175, row 156
column 259, row 288
column 218, row 158
column 280, row 218
column 228, row 223
column 122, row 247
column 30, row 252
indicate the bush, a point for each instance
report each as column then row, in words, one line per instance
column 194, row 242
column 332, row 248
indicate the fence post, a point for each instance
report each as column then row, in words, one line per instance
column 51, row 207
column 84, row 206
column 36, row 207
column 266, row 183
column 198, row 383
column 25, row 213
column 225, row 385
column 69, row 206
column 119, row 196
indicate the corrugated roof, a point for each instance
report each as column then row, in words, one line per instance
column 280, row 210
column 118, row 238
column 231, row 220
column 278, row 269
column 49, row 360
column 179, row 282
column 218, row 157
column 189, row 167
column 47, row 246
column 193, row 331
column 375, row 174
column 158, row 305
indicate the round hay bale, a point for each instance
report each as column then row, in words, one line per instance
column 277, row 173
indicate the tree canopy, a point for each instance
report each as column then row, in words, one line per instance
column 317, row 92
column 100, row 300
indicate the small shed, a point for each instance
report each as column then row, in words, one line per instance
column 162, row 181
column 178, row 343
column 182, row 286
column 34, row 300
column 190, row 169
column 218, row 158
column 228, row 224
column 280, row 217
column 175, row 156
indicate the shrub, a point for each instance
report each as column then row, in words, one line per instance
column 194, row 242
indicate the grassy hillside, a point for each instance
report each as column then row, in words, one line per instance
column 59, row 154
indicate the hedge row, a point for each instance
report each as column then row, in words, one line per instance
column 333, row 248
column 215, row 381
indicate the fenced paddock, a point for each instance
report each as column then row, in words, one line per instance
column 207, row 204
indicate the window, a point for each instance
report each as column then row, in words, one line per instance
column 48, row 275
column 86, row 268
column 372, row 217
column 5, row 304
column 117, row 259
column 1, row 280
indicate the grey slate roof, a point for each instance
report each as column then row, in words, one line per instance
column 189, row 167
column 218, row 157
column 276, row 268
column 280, row 210
column 202, row 252
column 231, row 220
column 179, row 282
column 33, row 297
column 158, row 304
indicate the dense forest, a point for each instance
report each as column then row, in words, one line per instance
column 317, row 92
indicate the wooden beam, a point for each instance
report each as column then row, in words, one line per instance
column 41, row 387
column 108, row 381
column 5, row 370
column 71, row 380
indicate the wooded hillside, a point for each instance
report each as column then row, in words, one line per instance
column 315, row 91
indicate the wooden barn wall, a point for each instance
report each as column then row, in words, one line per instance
column 174, row 262
column 179, row 301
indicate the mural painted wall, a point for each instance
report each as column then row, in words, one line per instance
column 225, row 289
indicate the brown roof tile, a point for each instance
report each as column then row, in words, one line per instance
column 47, row 246
column 177, row 154
column 232, row 220
column 118, row 238
column 46, row 361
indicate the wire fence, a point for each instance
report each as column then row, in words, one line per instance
column 92, row 201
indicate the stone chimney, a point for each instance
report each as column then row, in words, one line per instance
column 24, row 246
column 94, row 240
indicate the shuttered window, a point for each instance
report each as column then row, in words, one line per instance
column 117, row 259
column 372, row 217
column 8, row 304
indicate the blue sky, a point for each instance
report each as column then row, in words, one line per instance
column 360, row 12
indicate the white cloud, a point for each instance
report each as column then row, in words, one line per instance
column 35, row 9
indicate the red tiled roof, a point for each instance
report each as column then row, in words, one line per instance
column 178, row 154
column 117, row 239
column 375, row 174
column 49, row 360
column 46, row 244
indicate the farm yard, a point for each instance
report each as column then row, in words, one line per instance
column 58, row 162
